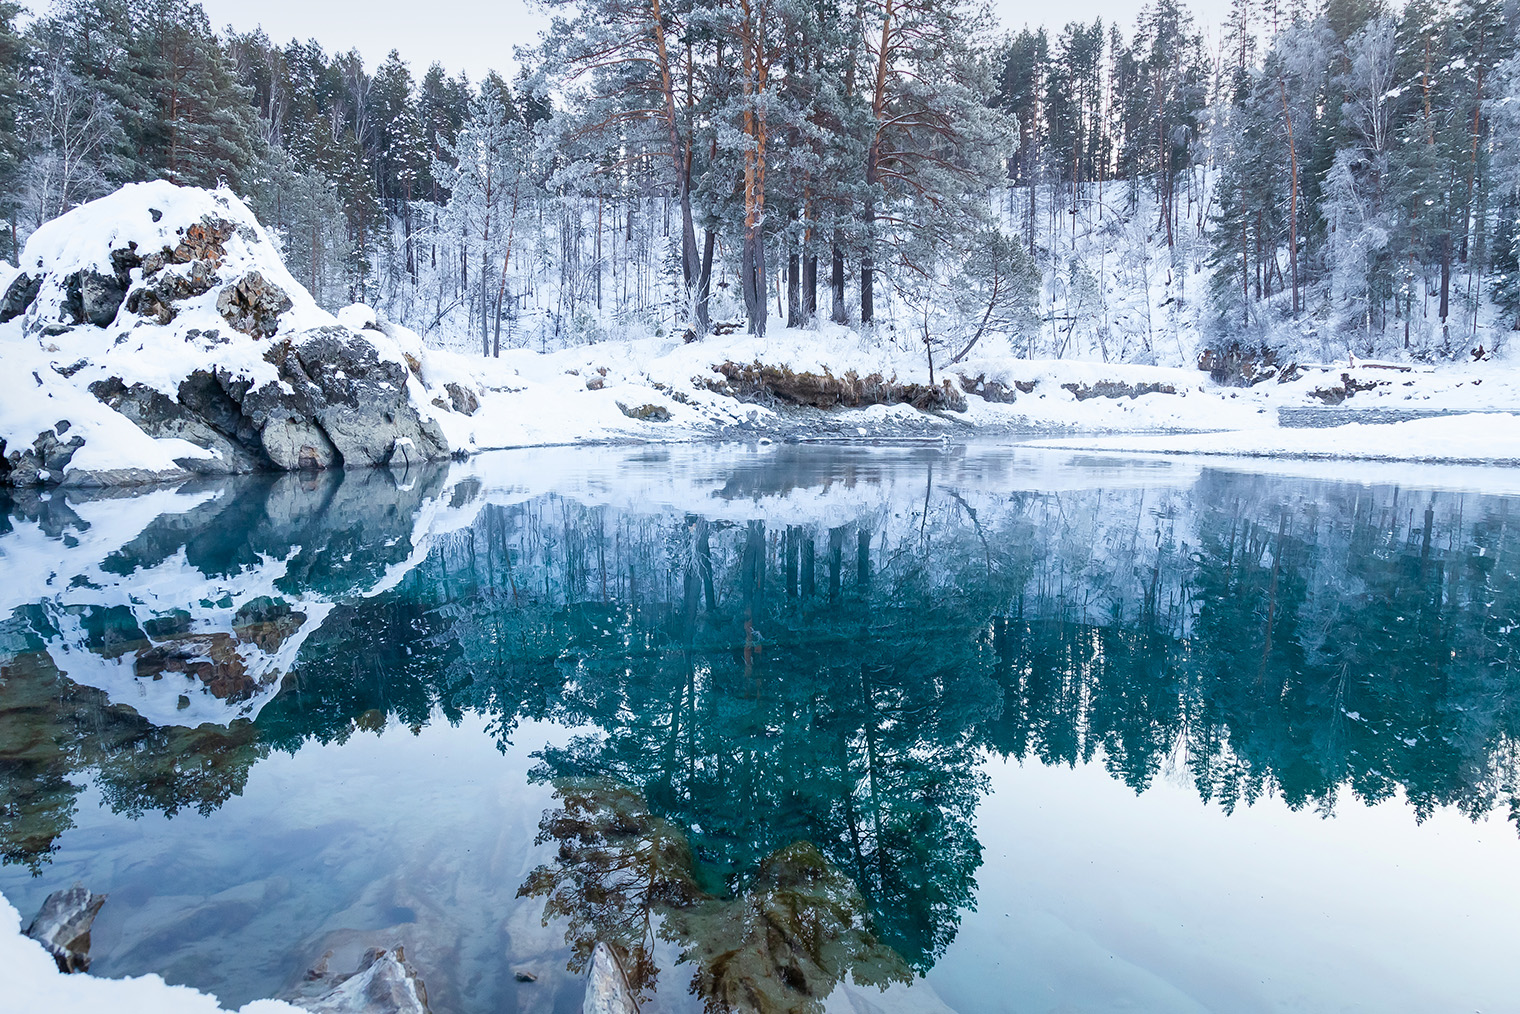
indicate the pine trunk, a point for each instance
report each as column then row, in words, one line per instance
column 837, row 312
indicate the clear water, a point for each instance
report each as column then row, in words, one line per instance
column 798, row 728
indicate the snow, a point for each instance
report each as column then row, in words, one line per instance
column 33, row 983
column 1477, row 439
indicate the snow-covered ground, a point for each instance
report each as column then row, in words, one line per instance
column 1488, row 438
column 579, row 396
column 660, row 389
column 33, row 984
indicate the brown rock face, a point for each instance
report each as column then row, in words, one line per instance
column 204, row 241
column 253, row 305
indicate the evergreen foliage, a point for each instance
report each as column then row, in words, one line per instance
column 1342, row 175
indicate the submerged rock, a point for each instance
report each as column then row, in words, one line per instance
column 63, row 926
column 607, row 989
column 383, row 984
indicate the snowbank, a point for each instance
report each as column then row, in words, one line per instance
column 1474, row 439
column 33, row 984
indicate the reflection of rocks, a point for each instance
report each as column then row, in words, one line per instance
column 211, row 658
column 63, row 926
column 211, row 605
column 383, row 984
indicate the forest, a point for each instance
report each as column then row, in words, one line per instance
column 1303, row 179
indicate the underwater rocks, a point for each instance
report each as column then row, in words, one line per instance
column 607, row 989
column 63, row 926
column 383, row 984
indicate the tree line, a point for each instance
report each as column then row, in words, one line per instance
column 1342, row 169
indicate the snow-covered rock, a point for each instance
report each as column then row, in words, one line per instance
column 155, row 332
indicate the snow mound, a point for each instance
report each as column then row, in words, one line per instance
column 176, row 225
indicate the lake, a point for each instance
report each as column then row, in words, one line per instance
column 796, row 728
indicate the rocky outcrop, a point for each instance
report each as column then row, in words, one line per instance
column 384, row 983
column 336, row 403
column 767, row 384
column 186, row 285
column 63, row 926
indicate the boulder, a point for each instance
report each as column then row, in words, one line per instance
column 63, row 926
column 93, row 297
column 19, row 296
column 253, row 305
column 344, row 405
column 43, row 462
column 462, row 399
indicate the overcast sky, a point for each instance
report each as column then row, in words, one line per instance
column 477, row 35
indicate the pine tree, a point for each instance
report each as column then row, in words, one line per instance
column 14, row 57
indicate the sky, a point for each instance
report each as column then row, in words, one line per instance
column 476, row 35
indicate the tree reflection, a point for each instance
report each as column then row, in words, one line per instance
column 619, row 870
column 624, row 877
column 789, row 718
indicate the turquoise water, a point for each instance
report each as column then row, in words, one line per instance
column 796, row 728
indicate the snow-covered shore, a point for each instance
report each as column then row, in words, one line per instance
column 1488, row 438
column 159, row 335
column 33, row 984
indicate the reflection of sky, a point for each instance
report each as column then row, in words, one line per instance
column 1094, row 899
column 1091, row 898
column 420, row 840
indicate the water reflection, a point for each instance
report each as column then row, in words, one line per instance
column 786, row 673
